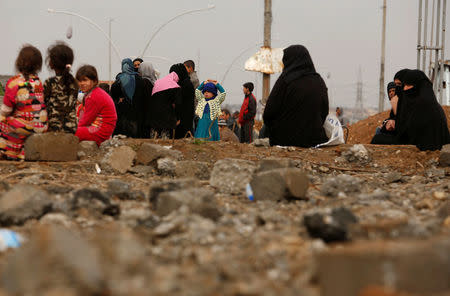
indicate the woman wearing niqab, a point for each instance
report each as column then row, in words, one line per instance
column 187, row 108
column 421, row 120
column 128, row 96
column 149, row 77
column 298, row 103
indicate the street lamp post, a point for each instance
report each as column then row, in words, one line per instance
column 50, row 10
column 211, row 6
column 109, row 57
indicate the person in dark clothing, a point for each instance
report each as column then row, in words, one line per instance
column 388, row 126
column 165, row 101
column 149, row 77
column 298, row 103
column 137, row 63
column 421, row 120
column 128, row 94
column 388, row 133
column 247, row 114
column 231, row 122
column 187, row 107
column 105, row 87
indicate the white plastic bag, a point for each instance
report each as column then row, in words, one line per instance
column 333, row 130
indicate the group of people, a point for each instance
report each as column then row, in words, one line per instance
column 140, row 105
column 137, row 104
column 176, row 105
column 30, row 106
column 416, row 117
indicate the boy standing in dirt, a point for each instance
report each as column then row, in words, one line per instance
column 247, row 114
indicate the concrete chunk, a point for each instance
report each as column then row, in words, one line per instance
column 444, row 157
column 148, row 153
column 419, row 267
column 51, row 147
column 280, row 184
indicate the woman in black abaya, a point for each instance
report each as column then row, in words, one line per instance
column 392, row 138
column 421, row 119
column 186, row 109
column 298, row 104
column 149, row 77
column 128, row 94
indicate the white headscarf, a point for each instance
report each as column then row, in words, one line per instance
column 147, row 71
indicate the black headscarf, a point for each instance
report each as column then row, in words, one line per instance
column 297, row 63
column 185, row 112
column 181, row 71
column 390, row 85
column 419, row 80
column 422, row 122
column 400, row 74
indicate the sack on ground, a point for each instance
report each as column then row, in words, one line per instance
column 333, row 130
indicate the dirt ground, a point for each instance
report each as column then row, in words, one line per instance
column 255, row 248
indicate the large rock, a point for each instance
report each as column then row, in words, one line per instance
column 419, row 268
column 94, row 201
column 272, row 163
column 21, row 203
column 230, row 176
column 444, row 157
column 330, row 227
column 192, row 169
column 51, row 147
column 280, row 184
column 122, row 190
column 170, row 185
column 341, row 185
column 88, row 148
column 261, row 142
column 357, row 153
column 120, row 159
column 228, row 135
column 53, row 259
column 166, row 166
column 199, row 201
column 149, row 153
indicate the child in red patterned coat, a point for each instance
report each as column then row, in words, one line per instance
column 97, row 117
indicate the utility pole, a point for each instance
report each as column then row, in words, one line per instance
column 444, row 16
column 383, row 50
column 267, row 43
column 419, row 34
column 358, row 112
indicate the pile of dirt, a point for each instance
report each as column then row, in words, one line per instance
column 362, row 131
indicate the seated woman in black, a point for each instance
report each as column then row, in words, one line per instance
column 298, row 104
column 388, row 133
column 421, row 120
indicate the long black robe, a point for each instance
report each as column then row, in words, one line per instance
column 298, row 103
column 421, row 120
column 163, row 110
column 143, row 117
column 186, row 111
column 130, row 113
column 391, row 137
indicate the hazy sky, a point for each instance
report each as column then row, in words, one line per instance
column 340, row 35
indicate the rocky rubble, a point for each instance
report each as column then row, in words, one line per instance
column 140, row 217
